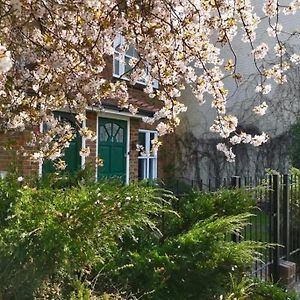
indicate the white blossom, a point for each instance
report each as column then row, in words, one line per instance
column 257, row 140
column 295, row 58
column 261, row 109
column 264, row 89
column 51, row 71
column 261, row 51
column 5, row 60
column 230, row 156
column 85, row 151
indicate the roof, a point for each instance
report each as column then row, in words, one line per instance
column 145, row 106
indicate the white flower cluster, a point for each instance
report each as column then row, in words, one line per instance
column 264, row 89
column 133, row 109
column 292, row 7
column 230, row 156
column 261, row 51
column 85, row 151
column 179, row 45
column 279, row 49
column 274, row 30
column 155, row 145
column 295, row 59
column 277, row 73
column 225, row 125
column 170, row 112
column 270, row 8
column 261, row 109
column 87, row 134
column 5, row 60
column 141, row 150
column 245, row 138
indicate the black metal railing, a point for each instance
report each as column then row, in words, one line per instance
column 277, row 219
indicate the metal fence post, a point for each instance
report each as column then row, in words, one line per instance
column 236, row 181
column 236, row 184
column 276, row 226
column 286, row 216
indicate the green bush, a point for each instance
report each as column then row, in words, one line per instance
column 250, row 289
column 52, row 234
column 267, row 290
column 192, row 260
column 72, row 238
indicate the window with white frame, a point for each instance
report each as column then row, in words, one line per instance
column 147, row 156
column 122, row 62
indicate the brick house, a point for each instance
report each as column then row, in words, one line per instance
column 117, row 134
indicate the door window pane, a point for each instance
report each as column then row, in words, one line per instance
column 115, row 128
column 108, row 128
column 119, row 136
column 103, row 134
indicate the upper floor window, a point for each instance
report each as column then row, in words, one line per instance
column 147, row 155
column 124, row 62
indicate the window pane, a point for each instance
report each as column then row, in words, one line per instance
column 147, row 164
column 127, row 67
column 132, row 52
column 120, row 66
column 152, row 136
column 116, row 66
column 118, row 41
column 152, row 168
column 142, row 171
column 142, row 139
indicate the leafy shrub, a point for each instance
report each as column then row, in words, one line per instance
column 192, row 260
column 59, row 234
column 267, row 290
column 250, row 289
column 72, row 238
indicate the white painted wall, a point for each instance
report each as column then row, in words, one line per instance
column 283, row 101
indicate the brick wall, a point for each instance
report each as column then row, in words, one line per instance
column 91, row 123
column 166, row 157
column 13, row 145
column 133, row 154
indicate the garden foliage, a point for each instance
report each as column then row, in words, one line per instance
column 77, row 239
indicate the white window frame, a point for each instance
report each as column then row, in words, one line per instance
column 119, row 41
column 148, row 155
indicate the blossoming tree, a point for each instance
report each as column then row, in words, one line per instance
column 53, row 53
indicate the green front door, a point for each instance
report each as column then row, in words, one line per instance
column 71, row 154
column 112, row 139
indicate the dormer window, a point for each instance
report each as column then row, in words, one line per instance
column 124, row 62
